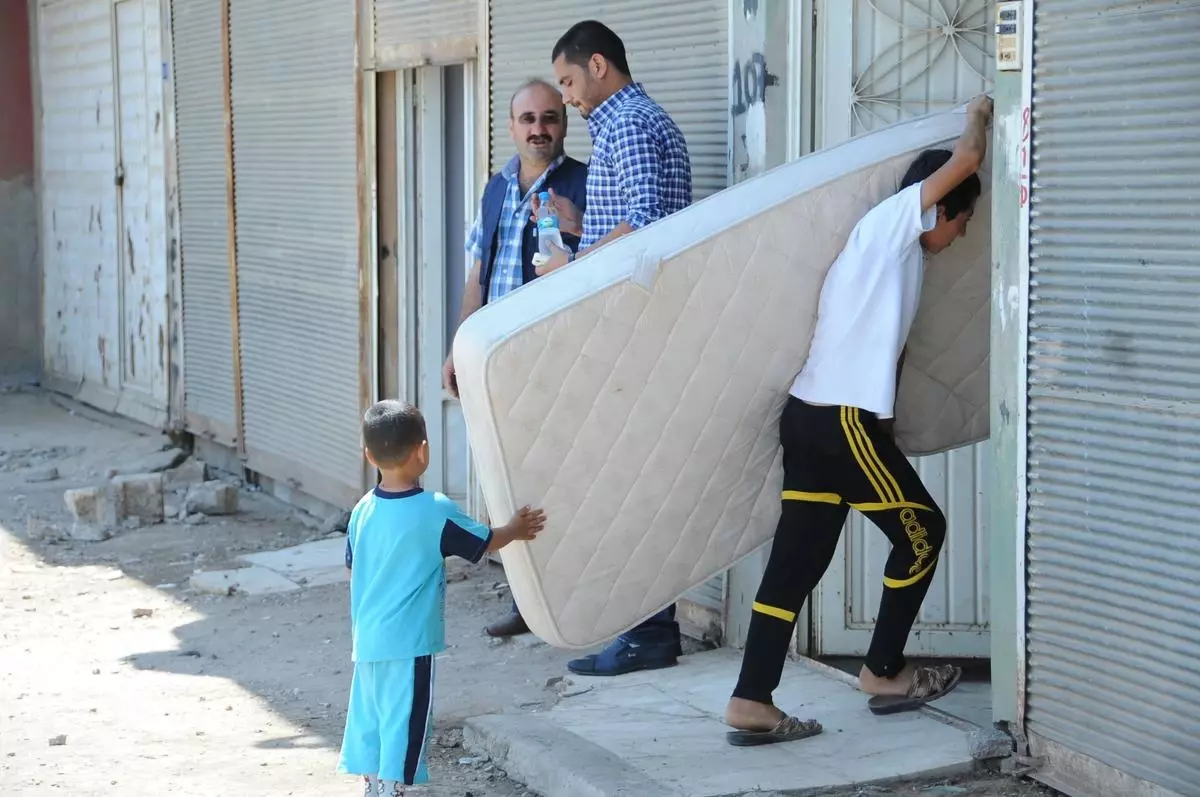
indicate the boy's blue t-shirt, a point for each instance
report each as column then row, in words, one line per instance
column 396, row 545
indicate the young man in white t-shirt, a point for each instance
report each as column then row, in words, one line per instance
column 838, row 450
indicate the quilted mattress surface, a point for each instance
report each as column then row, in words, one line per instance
column 636, row 394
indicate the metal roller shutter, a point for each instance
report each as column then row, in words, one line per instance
column 1114, row 385
column 412, row 33
column 204, row 218
column 295, row 170
column 684, row 66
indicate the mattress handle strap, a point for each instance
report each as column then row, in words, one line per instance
column 645, row 271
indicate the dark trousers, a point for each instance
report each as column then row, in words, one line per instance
column 660, row 627
column 836, row 459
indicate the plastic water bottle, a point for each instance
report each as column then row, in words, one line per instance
column 547, row 226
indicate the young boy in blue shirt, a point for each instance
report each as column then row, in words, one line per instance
column 396, row 544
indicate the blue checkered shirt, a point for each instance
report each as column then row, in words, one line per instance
column 639, row 171
column 515, row 214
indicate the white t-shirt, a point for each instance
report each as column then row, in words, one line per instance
column 867, row 306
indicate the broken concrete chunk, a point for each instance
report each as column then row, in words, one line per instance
column 36, row 475
column 246, row 581
column 196, row 518
column 90, row 532
column 58, row 741
column 212, row 498
column 192, row 471
column 140, row 496
column 83, row 503
column 156, row 462
column 989, row 743
column 337, row 523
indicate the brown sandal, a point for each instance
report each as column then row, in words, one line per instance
column 789, row 729
column 929, row 684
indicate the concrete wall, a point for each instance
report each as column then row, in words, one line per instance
column 20, row 295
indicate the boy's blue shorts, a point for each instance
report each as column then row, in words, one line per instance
column 389, row 720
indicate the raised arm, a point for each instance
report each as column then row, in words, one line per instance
column 968, row 155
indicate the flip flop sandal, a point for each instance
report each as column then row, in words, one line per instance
column 929, row 684
column 789, row 729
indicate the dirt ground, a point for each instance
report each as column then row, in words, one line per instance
column 210, row 695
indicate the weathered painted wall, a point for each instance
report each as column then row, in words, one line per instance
column 20, row 302
column 1010, row 183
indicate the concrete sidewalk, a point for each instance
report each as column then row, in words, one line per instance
column 661, row 734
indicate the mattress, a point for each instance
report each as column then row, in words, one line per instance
column 636, row 393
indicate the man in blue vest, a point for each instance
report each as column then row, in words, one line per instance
column 503, row 239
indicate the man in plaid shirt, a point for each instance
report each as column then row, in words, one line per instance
column 639, row 173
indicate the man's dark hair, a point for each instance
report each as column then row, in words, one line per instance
column 959, row 200
column 588, row 38
column 391, row 430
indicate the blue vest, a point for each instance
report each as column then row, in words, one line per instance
column 568, row 179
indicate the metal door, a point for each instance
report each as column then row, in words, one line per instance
column 102, row 146
column 879, row 62
column 141, row 183
column 444, row 180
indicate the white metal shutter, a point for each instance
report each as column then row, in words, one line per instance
column 679, row 49
column 295, row 176
column 77, row 127
column 199, row 62
column 411, row 33
column 1114, row 385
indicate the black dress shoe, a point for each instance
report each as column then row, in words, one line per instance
column 513, row 625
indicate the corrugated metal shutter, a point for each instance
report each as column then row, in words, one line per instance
column 81, row 278
column 417, row 32
column 295, row 172
column 209, row 395
column 1114, row 386
column 684, row 66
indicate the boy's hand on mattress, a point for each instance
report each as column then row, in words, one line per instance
column 557, row 260
column 570, row 220
column 525, row 525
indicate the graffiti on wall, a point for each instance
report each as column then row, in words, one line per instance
column 1023, row 155
column 749, row 86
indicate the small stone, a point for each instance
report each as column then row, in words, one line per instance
column 36, row 475
column 575, row 691
column 132, row 523
column 137, row 613
column 553, row 681
column 212, row 498
column 195, row 519
column 495, row 642
column 58, row 741
column 96, row 672
column 192, row 471
column 986, row 744
column 467, row 761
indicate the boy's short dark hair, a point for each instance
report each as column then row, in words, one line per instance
column 585, row 39
column 391, row 430
column 961, row 199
